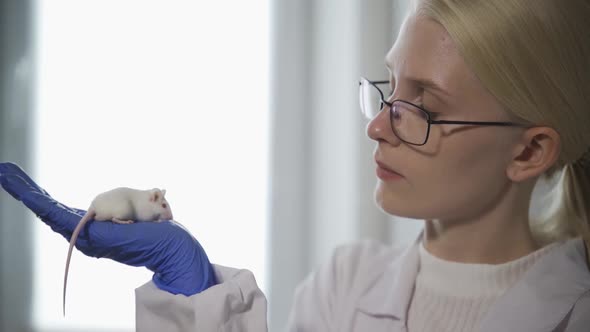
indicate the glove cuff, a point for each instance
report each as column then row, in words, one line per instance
column 187, row 286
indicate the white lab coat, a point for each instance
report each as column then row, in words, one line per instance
column 368, row 287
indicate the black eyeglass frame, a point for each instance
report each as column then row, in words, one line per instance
column 429, row 119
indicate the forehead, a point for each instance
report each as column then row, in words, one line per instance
column 424, row 50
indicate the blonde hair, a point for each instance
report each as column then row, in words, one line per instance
column 534, row 57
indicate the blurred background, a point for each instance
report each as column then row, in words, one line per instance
column 245, row 111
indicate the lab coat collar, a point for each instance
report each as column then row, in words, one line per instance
column 390, row 294
column 538, row 302
column 545, row 294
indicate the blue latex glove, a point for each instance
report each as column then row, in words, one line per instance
column 179, row 263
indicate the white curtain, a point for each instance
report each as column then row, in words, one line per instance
column 322, row 165
column 16, row 107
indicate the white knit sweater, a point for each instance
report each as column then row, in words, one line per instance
column 455, row 297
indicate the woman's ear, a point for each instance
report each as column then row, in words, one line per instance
column 537, row 151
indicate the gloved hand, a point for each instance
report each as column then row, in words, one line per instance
column 179, row 263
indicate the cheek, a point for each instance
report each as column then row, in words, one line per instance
column 445, row 185
column 469, row 184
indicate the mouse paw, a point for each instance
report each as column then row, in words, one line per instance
column 119, row 221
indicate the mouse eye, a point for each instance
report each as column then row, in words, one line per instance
column 164, row 205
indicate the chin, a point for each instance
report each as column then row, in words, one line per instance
column 394, row 205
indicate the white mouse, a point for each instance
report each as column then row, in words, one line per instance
column 123, row 206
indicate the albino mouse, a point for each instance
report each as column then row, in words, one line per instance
column 123, row 206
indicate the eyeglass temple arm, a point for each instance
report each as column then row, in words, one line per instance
column 373, row 82
column 477, row 123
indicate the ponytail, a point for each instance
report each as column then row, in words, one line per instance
column 570, row 215
column 576, row 200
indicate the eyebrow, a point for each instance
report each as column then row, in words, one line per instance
column 424, row 82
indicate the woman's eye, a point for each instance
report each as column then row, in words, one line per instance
column 434, row 116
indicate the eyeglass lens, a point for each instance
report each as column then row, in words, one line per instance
column 408, row 122
column 370, row 99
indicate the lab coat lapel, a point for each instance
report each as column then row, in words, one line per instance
column 545, row 294
column 537, row 303
column 391, row 293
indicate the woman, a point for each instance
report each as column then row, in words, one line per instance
column 486, row 98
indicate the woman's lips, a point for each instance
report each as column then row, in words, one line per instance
column 386, row 173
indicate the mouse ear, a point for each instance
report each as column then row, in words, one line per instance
column 163, row 192
column 155, row 195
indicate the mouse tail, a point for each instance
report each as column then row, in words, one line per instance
column 90, row 214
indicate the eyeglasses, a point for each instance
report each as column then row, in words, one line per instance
column 409, row 122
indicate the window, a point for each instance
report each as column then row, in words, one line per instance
column 162, row 93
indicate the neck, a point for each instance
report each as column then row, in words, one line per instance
column 499, row 235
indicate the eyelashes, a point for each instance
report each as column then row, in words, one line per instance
column 433, row 115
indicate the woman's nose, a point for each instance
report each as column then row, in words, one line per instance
column 379, row 128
